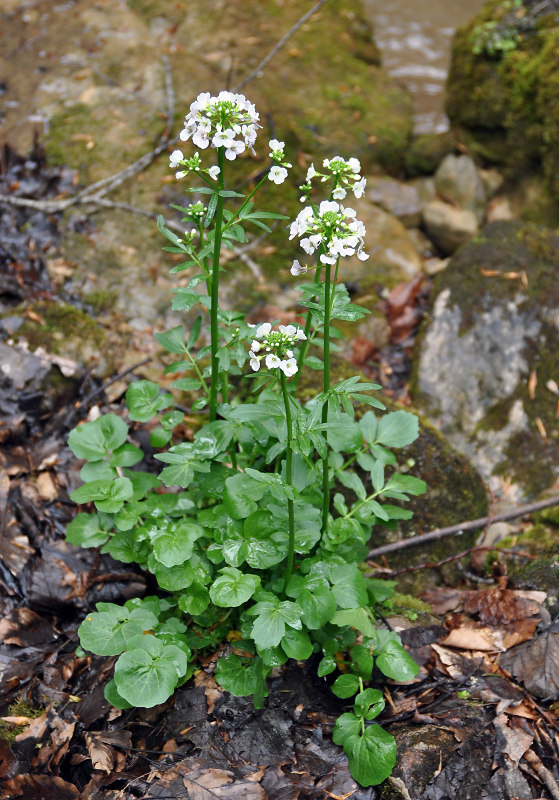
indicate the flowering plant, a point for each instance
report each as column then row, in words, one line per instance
column 271, row 502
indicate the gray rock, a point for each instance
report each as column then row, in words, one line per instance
column 458, row 181
column 400, row 199
column 447, row 226
column 485, row 335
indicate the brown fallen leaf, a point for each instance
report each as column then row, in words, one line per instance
column 484, row 639
column 211, row 689
column 442, row 600
column 38, row 787
column 101, row 754
column 499, row 606
column 536, row 663
column 515, row 740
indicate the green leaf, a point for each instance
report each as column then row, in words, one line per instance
column 148, row 676
column 397, row 429
column 362, row 661
column 112, row 696
column 173, row 579
column 126, row 456
column 392, row 659
column 348, row 585
column 97, row 471
column 380, row 590
column 314, row 598
column 232, row 588
column 354, row 618
column 158, row 437
column 195, row 601
column 144, row 401
column 172, row 340
column 272, row 617
column 369, row 703
column 297, row 644
column 85, row 530
column 326, row 666
column 108, row 633
column 95, row 440
column 406, row 484
column 107, row 495
column 187, row 384
column 346, row 685
column 372, row 756
column 237, row 675
column 174, row 545
column 241, row 493
column 369, row 424
column 346, row 725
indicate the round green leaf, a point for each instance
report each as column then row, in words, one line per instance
column 237, row 675
column 369, row 703
column 372, row 757
column 346, row 686
column 232, row 588
column 112, row 696
column 297, row 644
column 397, row 429
column 195, row 601
column 346, row 725
column 95, row 440
column 145, row 678
column 85, row 531
column 144, row 401
column 174, row 545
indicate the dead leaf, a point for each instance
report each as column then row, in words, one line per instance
column 100, row 753
column 499, row 606
column 536, row 664
column 46, row 486
column 442, row 600
column 213, row 783
column 211, row 689
column 484, row 639
column 516, row 740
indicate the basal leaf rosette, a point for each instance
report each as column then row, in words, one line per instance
column 332, row 229
column 273, row 348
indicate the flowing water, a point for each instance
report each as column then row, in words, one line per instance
column 415, row 38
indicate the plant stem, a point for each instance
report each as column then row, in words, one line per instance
column 326, row 386
column 214, row 328
column 288, row 478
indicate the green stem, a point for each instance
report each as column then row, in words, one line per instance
column 305, row 346
column 246, row 201
column 326, row 386
column 288, row 478
column 214, row 328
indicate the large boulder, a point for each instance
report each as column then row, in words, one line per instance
column 487, row 357
column 503, row 86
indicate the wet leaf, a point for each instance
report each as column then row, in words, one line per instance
column 536, row 664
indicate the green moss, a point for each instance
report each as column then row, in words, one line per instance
column 20, row 708
column 58, row 324
column 505, row 106
column 426, row 152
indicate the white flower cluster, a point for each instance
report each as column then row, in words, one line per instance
column 346, row 176
column 332, row 228
column 275, row 348
column 278, row 173
column 228, row 120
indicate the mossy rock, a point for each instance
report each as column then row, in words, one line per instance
column 503, row 99
column 426, row 152
column 493, row 324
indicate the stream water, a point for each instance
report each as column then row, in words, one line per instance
column 415, row 38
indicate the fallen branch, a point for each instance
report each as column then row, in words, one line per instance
column 462, row 527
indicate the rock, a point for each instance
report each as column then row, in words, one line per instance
column 396, row 197
column 393, row 255
column 447, row 226
column 426, row 152
column 457, row 182
column 493, row 324
column 492, row 181
column 503, row 87
column 499, row 210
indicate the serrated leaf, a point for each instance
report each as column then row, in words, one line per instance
column 271, row 621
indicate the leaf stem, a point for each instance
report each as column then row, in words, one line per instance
column 288, row 478
column 214, row 328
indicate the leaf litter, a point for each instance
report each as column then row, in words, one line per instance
column 480, row 721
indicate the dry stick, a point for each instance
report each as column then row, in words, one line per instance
column 461, row 527
column 280, row 44
column 437, row 564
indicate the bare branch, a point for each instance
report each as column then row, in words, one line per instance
column 462, row 527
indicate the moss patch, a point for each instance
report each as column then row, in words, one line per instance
column 505, row 105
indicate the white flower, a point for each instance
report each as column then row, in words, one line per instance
column 289, row 330
column 213, row 172
column 288, row 367
column 325, row 259
column 354, row 164
column 339, row 193
column 328, row 205
column 263, row 330
column 254, row 361
column 255, row 346
column 276, row 146
column 273, row 361
column 181, row 174
column 234, row 150
column 359, row 187
column 228, row 120
column 175, row 158
column 277, row 174
column 223, row 138
column 311, row 172
column 297, row 268
column 201, row 140
column 307, row 246
column 300, row 334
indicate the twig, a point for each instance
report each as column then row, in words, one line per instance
column 280, row 44
column 389, row 573
column 462, row 527
column 545, row 776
